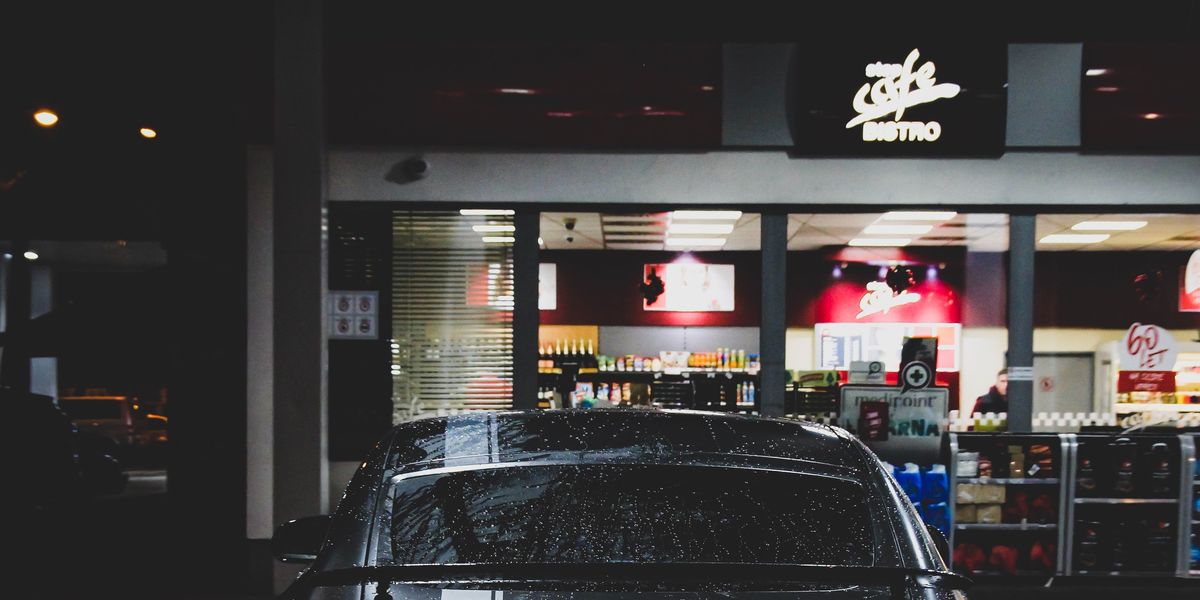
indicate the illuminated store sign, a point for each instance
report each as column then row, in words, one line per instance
column 1189, row 288
column 898, row 99
column 891, row 94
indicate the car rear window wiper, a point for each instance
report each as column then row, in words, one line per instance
column 896, row 578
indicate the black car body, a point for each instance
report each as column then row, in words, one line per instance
column 600, row 502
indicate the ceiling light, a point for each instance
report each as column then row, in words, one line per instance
column 707, row 88
column 884, row 229
column 541, row 242
column 707, row 215
column 880, row 241
column 31, row 255
column 903, row 215
column 634, row 237
column 634, row 246
column 485, row 212
column 148, row 133
column 633, row 229
column 518, row 91
column 499, row 239
column 1074, row 238
column 717, row 228
column 45, row 117
column 1096, row 72
column 1151, row 116
column 1108, row 225
column 695, row 241
column 494, row 228
column 1108, row 89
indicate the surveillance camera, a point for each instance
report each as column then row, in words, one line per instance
column 409, row 170
column 416, row 167
column 570, row 238
column 569, row 223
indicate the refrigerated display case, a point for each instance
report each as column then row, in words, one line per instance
column 1185, row 398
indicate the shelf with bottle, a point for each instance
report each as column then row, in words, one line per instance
column 571, row 352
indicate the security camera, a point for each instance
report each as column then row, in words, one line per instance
column 416, row 168
column 569, row 238
column 409, row 170
column 569, row 223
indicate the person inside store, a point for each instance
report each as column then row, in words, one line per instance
column 996, row 398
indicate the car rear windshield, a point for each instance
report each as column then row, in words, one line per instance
column 92, row 409
column 628, row 513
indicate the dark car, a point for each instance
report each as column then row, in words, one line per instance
column 596, row 504
column 52, row 461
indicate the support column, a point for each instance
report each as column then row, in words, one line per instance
column 772, row 336
column 525, row 308
column 1021, row 246
column 301, row 470
column 15, row 368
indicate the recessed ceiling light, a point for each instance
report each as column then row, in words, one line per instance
column 31, row 255
column 499, row 239
column 494, row 228
column 712, row 228
column 485, row 212
column 889, row 242
column 1108, row 225
column 148, row 133
column 541, row 242
column 518, row 91
column 1152, row 116
column 45, row 117
column 695, row 241
column 634, row 246
column 707, row 215
column 885, row 229
column 1096, row 72
column 1074, row 238
column 919, row 215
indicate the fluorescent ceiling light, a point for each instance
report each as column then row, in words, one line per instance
column 695, row 241
column 707, row 215
column 1096, row 72
column 634, row 246
column 633, row 229
column 891, row 242
column 485, row 212
column 634, row 237
column 499, row 240
column 1108, row 225
column 710, row 228
column 494, row 228
column 1074, row 238
column 918, row 215
column 884, row 229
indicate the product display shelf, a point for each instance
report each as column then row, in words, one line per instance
column 1191, row 550
column 953, row 442
column 1012, row 480
column 1007, row 526
column 1181, row 503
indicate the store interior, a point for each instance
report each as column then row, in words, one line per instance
column 951, row 269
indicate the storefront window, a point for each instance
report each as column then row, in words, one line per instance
column 650, row 309
column 869, row 293
column 1117, row 314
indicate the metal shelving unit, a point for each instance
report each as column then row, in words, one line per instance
column 1183, row 501
column 1064, row 461
column 1007, row 526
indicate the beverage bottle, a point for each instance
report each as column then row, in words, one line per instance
column 750, row 399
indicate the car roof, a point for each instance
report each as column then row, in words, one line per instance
column 640, row 435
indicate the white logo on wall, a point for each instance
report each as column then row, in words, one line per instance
column 891, row 94
column 880, row 299
column 1191, row 277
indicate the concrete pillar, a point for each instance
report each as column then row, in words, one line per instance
column 525, row 308
column 1021, row 246
column 773, row 330
column 301, row 472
